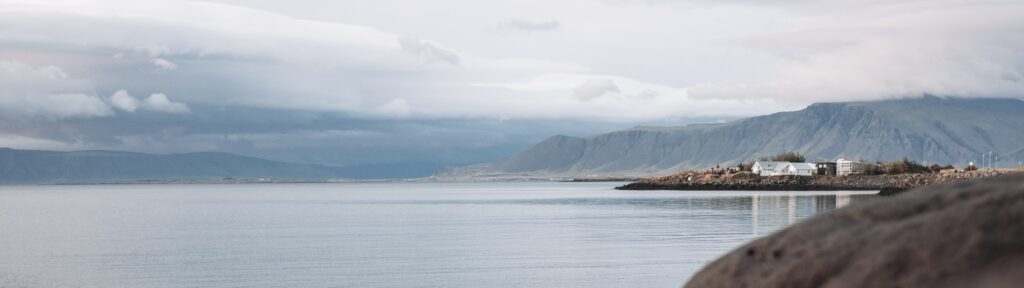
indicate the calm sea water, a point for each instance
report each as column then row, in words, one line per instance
column 523, row 234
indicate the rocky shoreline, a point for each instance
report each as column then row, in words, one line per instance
column 886, row 184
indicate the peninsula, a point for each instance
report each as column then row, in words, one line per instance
column 886, row 184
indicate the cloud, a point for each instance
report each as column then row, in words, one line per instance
column 254, row 58
column 532, row 26
column 67, row 105
column 7, row 141
column 398, row 70
column 595, row 88
column 159, row 102
column 47, row 92
column 395, row 108
column 164, row 64
column 951, row 50
column 121, row 100
column 647, row 94
column 428, row 51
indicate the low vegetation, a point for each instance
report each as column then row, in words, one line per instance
column 904, row 166
column 786, row 157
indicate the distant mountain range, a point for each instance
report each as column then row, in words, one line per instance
column 929, row 129
column 53, row 167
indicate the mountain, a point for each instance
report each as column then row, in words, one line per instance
column 928, row 129
column 52, row 167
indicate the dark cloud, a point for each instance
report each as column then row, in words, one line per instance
column 304, row 136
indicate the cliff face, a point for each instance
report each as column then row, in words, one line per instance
column 929, row 129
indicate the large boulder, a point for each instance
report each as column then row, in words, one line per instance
column 959, row 235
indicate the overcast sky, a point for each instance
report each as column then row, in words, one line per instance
column 461, row 81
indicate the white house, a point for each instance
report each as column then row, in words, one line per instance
column 768, row 168
column 783, row 168
column 799, row 169
column 844, row 167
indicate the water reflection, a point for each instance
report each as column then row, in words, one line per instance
column 768, row 209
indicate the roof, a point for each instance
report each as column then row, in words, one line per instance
column 803, row 166
column 768, row 165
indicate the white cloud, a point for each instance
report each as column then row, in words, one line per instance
column 948, row 50
column 51, row 93
column 159, row 102
column 258, row 58
column 395, row 108
column 595, row 88
column 20, row 141
column 532, row 26
column 46, row 91
column 164, row 64
column 68, row 105
column 121, row 100
column 658, row 59
column 430, row 52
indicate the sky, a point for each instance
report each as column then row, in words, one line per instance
column 452, row 82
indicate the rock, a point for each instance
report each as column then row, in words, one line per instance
column 889, row 191
column 954, row 235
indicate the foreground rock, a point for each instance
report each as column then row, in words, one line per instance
column 956, row 235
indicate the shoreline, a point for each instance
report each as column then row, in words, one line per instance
column 885, row 184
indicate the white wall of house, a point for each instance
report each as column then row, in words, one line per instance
column 800, row 169
column 766, row 168
column 783, row 168
column 844, row 167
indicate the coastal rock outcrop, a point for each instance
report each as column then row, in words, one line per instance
column 953, row 235
column 889, row 184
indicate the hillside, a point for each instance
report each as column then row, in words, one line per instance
column 929, row 129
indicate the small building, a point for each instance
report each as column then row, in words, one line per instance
column 767, row 168
column 844, row 167
column 799, row 169
column 826, row 168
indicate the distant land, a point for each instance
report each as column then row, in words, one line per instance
column 926, row 129
column 54, row 167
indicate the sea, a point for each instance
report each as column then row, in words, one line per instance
column 387, row 234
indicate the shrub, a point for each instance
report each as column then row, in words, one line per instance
column 788, row 157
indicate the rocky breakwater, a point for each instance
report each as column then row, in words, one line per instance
column 952, row 235
column 887, row 184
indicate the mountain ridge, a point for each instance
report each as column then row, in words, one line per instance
column 928, row 129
